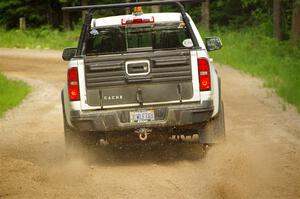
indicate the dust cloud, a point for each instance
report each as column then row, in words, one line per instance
column 260, row 158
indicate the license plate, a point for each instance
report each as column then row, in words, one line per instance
column 142, row 116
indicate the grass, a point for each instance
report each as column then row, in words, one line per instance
column 44, row 38
column 277, row 63
column 12, row 93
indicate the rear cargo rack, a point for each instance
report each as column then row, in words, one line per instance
column 91, row 9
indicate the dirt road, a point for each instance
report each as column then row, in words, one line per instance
column 260, row 159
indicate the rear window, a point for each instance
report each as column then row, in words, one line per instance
column 120, row 39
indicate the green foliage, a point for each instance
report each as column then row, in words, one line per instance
column 277, row 63
column 37, row 13
column 12, row 92
column 224, row 13
column 44, row 37
column 12, row 10
column 234, row 14
column 240, row 13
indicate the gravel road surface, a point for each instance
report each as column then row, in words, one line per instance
column 260, row 159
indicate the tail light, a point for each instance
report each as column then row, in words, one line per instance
column 73, row 84
column 204, row 74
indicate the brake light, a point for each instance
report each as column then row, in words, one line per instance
column 204, row 74
column 73, row 84
column 131, row 21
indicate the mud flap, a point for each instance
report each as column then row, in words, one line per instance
column 214, row 131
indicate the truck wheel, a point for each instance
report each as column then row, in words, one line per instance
column 214, row 131
column 76, row 144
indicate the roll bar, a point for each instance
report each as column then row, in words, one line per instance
column 91, row 9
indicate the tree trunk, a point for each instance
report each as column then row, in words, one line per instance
column 205, row 14
column 22, row 22
column 155, row 9
column 277, row 23
column 54, row 14
column 66, row 21
column 295, row 33
column 127, row 10
column 84, row 3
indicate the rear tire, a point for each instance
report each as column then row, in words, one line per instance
column 76, row 144
column 214, row 131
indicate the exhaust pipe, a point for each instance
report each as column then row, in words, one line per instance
column 143, row 133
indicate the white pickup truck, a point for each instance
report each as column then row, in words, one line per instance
column 141, row 77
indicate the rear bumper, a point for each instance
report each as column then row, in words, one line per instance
column 165, row 117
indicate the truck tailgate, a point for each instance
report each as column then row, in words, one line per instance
column 149, row 77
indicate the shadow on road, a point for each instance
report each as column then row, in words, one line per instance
column 145, row 154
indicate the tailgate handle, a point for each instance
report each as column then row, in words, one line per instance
column 137, row 68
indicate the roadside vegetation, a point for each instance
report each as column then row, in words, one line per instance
column 43, row 37
column 12, row 92
column 277, row 63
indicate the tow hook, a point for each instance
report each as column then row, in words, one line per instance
column 143, row 133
